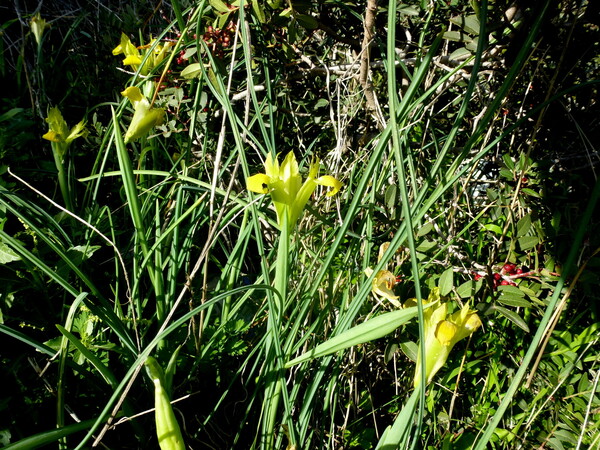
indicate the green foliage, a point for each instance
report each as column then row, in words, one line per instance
column 470, row 170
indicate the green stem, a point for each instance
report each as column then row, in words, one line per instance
column 135, row 210
column 275, row 373
column 58, row 151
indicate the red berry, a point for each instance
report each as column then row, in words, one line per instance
column 497, row 276
column 504, row 283
column 509, row 268
column 477, row 277
column 519, row 271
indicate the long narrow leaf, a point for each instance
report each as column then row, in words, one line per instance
column 370, row 330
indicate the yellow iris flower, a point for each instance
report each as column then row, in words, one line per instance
column 288, row 192
column 442, row 332
column 134, row 58
column 383, row 285
column 38, row 26
column 59, row 132
column 144, row 118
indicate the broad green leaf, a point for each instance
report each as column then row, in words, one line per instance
column 410, row 349
column 508, row 161
column 446, row 282
column 460, row 53
column 7, row 254
column 308, row 22
column 321, row 103
column 425, row 246
column 513, row 317
column 368, row 331
column 219, row 5
column 523, row 225
column 468, row 23
column 408, row 10
column 472, row 44
column 457, row 36
column 528, row 242
column 530, row 192
column 512, row 296
column 258, row 11
column 493, row 228
column 191, row 71
column 469, row 288
column 425, row 229
column 390, row 196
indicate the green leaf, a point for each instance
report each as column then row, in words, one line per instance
column 408, row 10
column 469, row 288
column 530, row 192
column 469, row 23
column 258, row 11
column 410, row 349
column 219, row 6
column 7, row 254
column 425, row 229
column 493, row 228
column 528, row 242
column 390, row 196
column 368, row 331
column 512, row 296
column 508, row 161
column 48, row 437
column 513, row 317
column 321, row 103
column 425, row 246
column 523, row 225
column 457, row 36
column 191, row 71
column 93, row 359
column 308, row 22
column 460, row 53
column 446, row 282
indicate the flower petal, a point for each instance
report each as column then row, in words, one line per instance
column 133, row 93
column 132, row 60
column 328, row 180
column 52, row 136
column 77, row 131
column 272, row 167
column 258, row 183
column 445, row 333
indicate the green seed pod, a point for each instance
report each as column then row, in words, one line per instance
column 167, row 428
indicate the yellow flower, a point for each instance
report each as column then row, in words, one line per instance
column 134, row 58
column 144, row 118
column 59, row 131
column 38, row 26
column 284, row 183
column 383, row 285
column 442, row 332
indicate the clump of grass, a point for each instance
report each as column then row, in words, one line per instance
column 270, row 330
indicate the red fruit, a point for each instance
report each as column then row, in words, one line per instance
column 504, row 283
column 497, row 276
column 519, row 271
column 509, row 268
column 477, row 277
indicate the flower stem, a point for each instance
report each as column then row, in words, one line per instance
column 63, row 182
